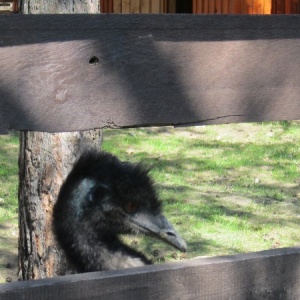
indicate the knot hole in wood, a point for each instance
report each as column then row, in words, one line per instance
column 94, row 60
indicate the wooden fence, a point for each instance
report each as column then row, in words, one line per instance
column 138, row 6
column 76, row 72
column 246, row 7
column 202, row 6
column 232, row 7
column 273, row 274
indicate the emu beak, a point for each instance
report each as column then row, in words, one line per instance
column 160, row 227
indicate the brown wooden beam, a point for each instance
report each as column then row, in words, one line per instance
column 273, row 274
column 76, row 72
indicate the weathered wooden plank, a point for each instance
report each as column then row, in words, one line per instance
column 117, row 6
column 125, row 6
column 218, row 6
column 197, row 6
column 267, row 7
column 145, row 6
column 171, row 6
column 230, row 6
column 155, row 7
column 273, row 274
column 234, row 6
column 237, row 6
column 226, row 9
column 206, row 6
column 76, row 72
column 135, row 6
column 211, row 7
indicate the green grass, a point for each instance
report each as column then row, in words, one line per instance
column 227, row 189
column 9, row 148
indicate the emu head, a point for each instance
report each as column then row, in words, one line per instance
column 106, row 197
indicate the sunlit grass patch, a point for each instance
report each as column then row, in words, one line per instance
column 9, row 148
column 227, row 189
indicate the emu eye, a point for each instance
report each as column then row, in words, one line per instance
column 131, row 207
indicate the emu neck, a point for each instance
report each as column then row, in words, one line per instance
column 108, row 253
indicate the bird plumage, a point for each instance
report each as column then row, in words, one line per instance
column 102, row 198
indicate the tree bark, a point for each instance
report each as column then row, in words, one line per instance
column 45, row 159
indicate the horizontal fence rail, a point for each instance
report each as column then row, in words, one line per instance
column 75, row 72
column 272, row 274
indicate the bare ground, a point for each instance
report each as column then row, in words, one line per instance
column 8, row 252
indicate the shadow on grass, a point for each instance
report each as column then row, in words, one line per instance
column 205, row 246
column 9, row 148
column 8, row 259
column 257, row 156
column 213, row 181
column 216, row 211
column 209, row 205
column 160, row 252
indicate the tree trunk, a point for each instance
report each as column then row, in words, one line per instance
column 44, row 162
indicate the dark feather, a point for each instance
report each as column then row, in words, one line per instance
column 101, row 198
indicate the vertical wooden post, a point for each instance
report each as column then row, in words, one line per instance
column 267, row 7
column 224, row 7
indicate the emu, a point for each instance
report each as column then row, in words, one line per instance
column 100, row 199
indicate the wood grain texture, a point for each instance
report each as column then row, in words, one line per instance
column 64, row 7
column 273, row 274
column 171, row 6
column 76, row 72
column 44, row 162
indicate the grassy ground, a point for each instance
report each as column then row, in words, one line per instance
column 227, row 189
column 9, row 148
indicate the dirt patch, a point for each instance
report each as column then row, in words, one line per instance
column 8, row 252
